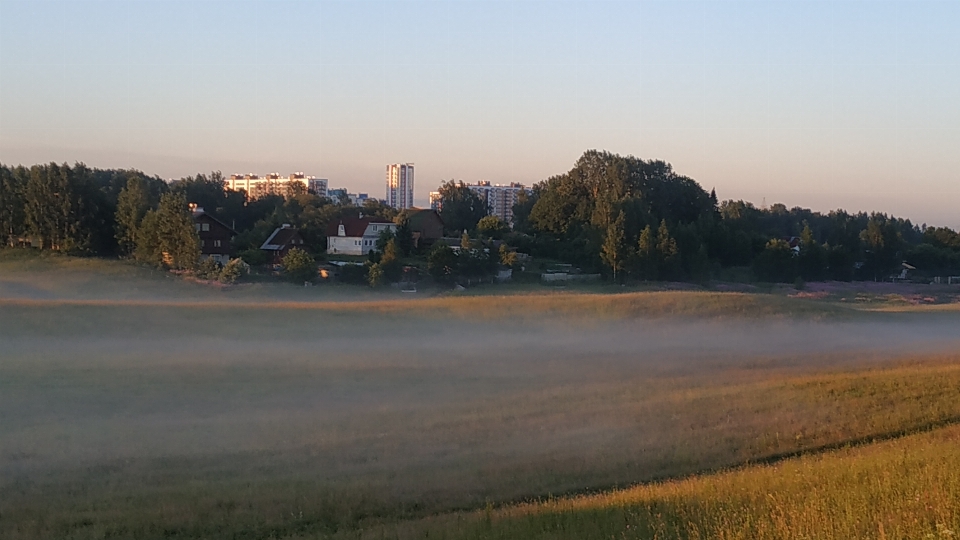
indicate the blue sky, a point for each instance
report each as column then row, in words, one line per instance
column 824, row 104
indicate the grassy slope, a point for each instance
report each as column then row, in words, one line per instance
column 28, row 279
column 906, row 488
column 744, row 412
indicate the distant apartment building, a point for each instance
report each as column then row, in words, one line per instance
column 257, row 186
column 400, row 185
column 499, row 198
column 436, row 201
column 342, row 196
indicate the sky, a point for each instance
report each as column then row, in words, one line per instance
column 813, row 103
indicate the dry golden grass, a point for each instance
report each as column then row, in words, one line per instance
column 907, row 489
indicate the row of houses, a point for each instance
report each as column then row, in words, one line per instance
column 345, row 236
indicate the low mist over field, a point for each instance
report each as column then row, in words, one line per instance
column 365, row 409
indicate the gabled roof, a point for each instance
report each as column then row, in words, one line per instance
column 199, row 212
column 417, row 216
column 353, row 226
column 280, row 238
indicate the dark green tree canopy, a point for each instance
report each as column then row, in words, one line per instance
column 461, row 209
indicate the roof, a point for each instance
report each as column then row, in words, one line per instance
column 417, row 216
column 199, row 212
column 353, row 226
column 280, row 238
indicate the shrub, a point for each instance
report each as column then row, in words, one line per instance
column 232, row 271
column 255, row 257
column 208, row 268
column 355, row 274
column 299, row 266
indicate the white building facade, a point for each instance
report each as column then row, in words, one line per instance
column 257, row 186
column 499, row 198
column 356, row 236
column 400, row 185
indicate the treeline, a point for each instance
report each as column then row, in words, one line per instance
column 627, row 217
column 641, row 220
column 80, row 210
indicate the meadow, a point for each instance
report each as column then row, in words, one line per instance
column 137, row 405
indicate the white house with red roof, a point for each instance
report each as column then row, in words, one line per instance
column 356, row 236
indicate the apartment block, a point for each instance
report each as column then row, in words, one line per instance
column 400, row 185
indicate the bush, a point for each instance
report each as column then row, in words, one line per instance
column 208, row 268
column 255, row 257
column 232, row 271
column 299, row 266
column 355, row 274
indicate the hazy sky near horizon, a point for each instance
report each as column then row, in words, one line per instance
column 815, row 103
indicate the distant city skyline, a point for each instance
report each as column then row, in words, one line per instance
column 820, row 104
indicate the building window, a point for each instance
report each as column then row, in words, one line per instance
column 205, row 227
column 202, row 243
column 216, row 243
column 197, row 225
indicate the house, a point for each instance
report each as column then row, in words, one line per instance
column 356, row 236
column 425, row 225
column 283, row 239
column 214, row 235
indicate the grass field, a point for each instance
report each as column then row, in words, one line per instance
column 135, row 405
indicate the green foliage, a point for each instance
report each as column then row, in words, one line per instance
column 403, row 234
column 492, row 227
column 167, row 235
column 461, row 209
column 12, row 217
column 442, row 263
column 777, row 263
column 615, row 251
column 299, row 266
column 354, row 274
column 133, row 203
column 254, row 256
column 208, row 268
column 233, row 271
column 389, row 269
column 64, row 208
column 883, row 242
column 667, row 252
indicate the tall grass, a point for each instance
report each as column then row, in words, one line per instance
column 906, row 489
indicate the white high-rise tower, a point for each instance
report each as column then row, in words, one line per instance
column 400, row 185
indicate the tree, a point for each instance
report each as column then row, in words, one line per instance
column 647, row 256
column 882, row 242
column 403, row 234
column 442, row 262
column 299, row 266
column 492, row 227
column 12, row 218
column 776, row 263
column 168, row 236
column 461, row 209
column 812, row 260
column 507, row 256
column 133, row 204
column 389, row 269
column 667, row 253
column 615, row 252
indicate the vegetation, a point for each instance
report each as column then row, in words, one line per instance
column 899, row 489
column 236, row 428
column 460, row 208
column 615, row 213
column 635, row 220
column 299, row 266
